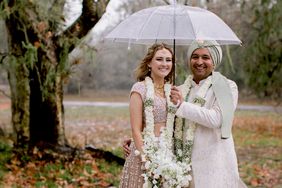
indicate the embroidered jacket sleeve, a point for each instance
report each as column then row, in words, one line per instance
column 208, row 115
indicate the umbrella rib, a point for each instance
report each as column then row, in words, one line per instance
column 190, row 21
column 143, row 26
column 158, row 31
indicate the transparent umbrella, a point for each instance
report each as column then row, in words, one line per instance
column 173, row 24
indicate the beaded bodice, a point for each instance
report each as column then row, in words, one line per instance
column 159, row 111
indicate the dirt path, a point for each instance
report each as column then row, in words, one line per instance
column 124, row 104
column 6, row 104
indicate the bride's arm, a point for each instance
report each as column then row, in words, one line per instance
column 136, row 113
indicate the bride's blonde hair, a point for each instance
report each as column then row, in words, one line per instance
column 143, row 70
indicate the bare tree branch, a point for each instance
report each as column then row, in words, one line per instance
column 5, row 94
column 91, row 13
column 166, row 2
column 2, row 57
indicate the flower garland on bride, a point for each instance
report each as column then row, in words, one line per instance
column 162, row 169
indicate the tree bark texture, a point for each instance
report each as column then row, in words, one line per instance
column 19, row 87
column 46, row 110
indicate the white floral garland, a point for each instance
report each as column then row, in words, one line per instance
column 162, row 169
column 185, row 129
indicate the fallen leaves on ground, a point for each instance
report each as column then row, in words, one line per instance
column 51, row 169
column 258, row 145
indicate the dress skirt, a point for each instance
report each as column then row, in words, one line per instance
column 132, row 174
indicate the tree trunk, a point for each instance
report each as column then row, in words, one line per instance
column 46, row 109
column 19, row 86
column 60, row 112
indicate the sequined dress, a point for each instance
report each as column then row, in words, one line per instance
column 131, row 173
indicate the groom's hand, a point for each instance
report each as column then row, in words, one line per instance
column 125, row 146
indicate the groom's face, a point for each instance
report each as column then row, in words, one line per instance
column 201, row 64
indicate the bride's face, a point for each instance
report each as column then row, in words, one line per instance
column 161, row 64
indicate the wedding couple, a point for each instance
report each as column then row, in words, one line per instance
column 181, row 135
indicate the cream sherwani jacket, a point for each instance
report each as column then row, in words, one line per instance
column 214, row 161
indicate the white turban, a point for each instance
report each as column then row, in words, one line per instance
column 212, row 46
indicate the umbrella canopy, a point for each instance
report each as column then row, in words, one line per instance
column 173, row 24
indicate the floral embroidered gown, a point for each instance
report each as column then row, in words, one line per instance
column 131, row 174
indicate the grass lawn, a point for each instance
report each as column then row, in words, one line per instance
column 257, row 138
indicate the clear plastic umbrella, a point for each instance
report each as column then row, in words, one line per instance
column 173, row 24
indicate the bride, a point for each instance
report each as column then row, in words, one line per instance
column 153, row 163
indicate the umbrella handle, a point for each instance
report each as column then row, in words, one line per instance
column 174, row 76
